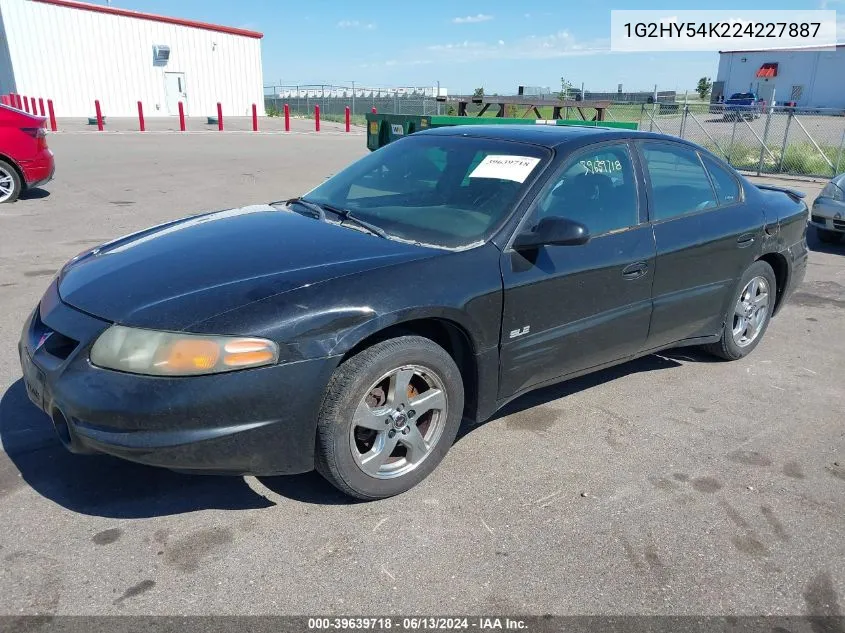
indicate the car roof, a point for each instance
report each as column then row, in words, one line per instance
column 549, row 136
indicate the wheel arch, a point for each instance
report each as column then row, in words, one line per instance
column 449, row 334
column 11, row 161
column 780, row 266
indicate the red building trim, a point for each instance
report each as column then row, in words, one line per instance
column 768, row 70
column 84, row 6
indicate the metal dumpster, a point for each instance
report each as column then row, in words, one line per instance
column 386, row 128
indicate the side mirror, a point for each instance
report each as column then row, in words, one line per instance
column 553, row 231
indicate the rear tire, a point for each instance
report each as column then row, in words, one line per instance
column 389, row 416
column 829, row 237
column 749, row 313
column 10, row 183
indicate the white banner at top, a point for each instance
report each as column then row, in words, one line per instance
column 722, row 30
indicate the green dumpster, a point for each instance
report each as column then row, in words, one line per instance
column 386, row 128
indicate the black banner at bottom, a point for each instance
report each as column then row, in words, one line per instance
column 406, row 624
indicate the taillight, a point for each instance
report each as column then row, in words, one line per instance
column 39, row 133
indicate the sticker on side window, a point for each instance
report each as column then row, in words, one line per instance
column 397, row 129
column 516, row 168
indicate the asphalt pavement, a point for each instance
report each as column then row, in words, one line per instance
column 675, row 484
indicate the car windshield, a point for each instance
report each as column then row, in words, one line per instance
column 742, row 95
column 446, row 191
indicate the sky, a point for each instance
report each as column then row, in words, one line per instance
column 495, row 44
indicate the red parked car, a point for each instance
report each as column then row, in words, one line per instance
column 25, row 159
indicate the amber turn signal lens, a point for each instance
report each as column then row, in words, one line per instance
column 192, row 355
column 246, row 352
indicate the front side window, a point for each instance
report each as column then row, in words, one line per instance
column 597, row 188
column 679, row 184
column 448, row 191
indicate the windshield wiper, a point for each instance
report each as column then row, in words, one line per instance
column 316, row 210
column 346, row 216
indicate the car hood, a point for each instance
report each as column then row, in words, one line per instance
column 184, row 272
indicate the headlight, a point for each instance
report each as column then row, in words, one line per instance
column 178, row 354
column 833, row 192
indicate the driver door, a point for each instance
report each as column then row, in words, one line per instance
column 571, row 308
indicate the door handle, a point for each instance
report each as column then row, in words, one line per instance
column 745, row 240
column 635, row 271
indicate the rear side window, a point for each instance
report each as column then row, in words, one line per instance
column 726, row 184
column 679, row 184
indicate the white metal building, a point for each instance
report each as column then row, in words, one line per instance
column 74, row 52
column 811, row 77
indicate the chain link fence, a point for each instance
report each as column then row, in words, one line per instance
column 333, row 101
column 766, row 140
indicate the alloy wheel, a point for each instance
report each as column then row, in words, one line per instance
column 751, row 311
column 398, row 421
column 7, row 185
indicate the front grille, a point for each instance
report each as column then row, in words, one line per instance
column 54, row 343
column 839, row 224
column 819, row 219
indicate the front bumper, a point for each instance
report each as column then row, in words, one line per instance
column 257, row 421
column 828, row 214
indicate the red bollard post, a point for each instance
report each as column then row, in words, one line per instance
column 374, row 110
column 347, row 118
column 5, row 100
column 99, row 115
column 41, row 106
column 16, row 101
column 219, row 116
column 52, row 115
column 26, row 103
column 181, row 117
column 316, row 118
column 141, row 125
column 287, row 118
column 254, row 118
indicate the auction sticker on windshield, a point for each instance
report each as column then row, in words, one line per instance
column 516, row 168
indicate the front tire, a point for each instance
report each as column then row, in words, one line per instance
column 389, row 416
column 749, row 314
column 829, row 237
column 10, row 183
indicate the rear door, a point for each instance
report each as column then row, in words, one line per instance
column 706, row 234
column 571, row 308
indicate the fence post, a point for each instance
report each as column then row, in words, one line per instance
column 347, row 118
column 395, row 103
column 181, row 117
column 141, row 125
column 219, row 116
column 785, row 140
column 317, row 117
column 99, row 114
column 839, row 153
column 52, row 115
column 254, row 118
column 287, row 118
column 731, row 148
column 684, row 113
column 764, row 147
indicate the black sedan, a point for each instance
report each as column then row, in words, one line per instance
column 350, row 330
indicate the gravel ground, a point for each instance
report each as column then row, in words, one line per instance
column 668, row 485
